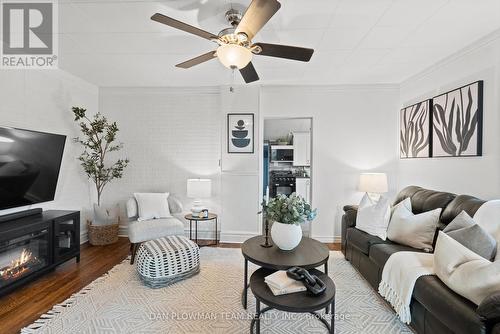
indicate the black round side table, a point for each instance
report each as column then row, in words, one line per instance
column 300, row 302
column 196, row 220
column 309, row 254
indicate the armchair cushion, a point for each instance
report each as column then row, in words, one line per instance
column 174, row 205
column 140, row 231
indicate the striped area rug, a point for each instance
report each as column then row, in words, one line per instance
column 209, row 303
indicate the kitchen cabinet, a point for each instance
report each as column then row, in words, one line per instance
column 301, row 148
column 303, row 188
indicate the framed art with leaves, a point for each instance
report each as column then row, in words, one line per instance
column 457, row 122
column 414, row 130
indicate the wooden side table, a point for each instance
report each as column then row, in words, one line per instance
column 196, row 220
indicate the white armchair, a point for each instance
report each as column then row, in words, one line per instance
column 140, row 231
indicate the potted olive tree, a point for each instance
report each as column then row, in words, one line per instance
column 98, row 140
column 287, row 213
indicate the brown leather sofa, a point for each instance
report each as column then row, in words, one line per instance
column 434, row 307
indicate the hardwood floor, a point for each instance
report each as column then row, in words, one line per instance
column 25, row 305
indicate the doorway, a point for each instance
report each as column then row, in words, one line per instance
column 287, row 159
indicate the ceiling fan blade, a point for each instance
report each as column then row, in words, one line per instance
column 256, row 16
column 249, row 73
column 182, row 26
column 198, row 60
column 285, row 51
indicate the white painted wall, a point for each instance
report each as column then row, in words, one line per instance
column 353, row 131
column 42, row 100
column 477, row 176
column 169, row 135
column 240, row 172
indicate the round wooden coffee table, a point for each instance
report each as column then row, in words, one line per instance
column 300, row 302
column 309, row 254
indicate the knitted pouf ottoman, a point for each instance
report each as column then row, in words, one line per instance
column 167, row 260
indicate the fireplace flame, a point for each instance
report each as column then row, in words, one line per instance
column 19, row 266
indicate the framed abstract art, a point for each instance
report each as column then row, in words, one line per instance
column 457, row 122
column 414, row 131
column 240, row 133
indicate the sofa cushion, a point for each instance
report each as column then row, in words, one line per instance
column 423, row 200
column 427, row 200
column 461, row 203
column 456, row 312
column 489, row 308
column 139, row 231
column 362, row 240
column 405, row 193
column 380, row 253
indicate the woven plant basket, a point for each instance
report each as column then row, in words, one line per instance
column 102, row 235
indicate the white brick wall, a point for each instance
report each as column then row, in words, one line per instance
column 42, row 101
column 169, row 135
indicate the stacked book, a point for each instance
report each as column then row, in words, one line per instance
column 281, row 284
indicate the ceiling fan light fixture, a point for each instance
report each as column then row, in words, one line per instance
column 234, row 55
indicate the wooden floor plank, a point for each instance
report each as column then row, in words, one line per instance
column 26, row 304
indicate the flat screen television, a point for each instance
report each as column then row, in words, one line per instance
column 29, row 166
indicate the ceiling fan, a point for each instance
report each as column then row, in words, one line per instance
column 236, row 48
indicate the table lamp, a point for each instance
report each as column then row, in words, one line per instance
column 198, row 189
column 373, row 184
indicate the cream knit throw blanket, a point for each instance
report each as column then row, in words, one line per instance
column 399, row 276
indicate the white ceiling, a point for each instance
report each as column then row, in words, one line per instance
column 114, row 42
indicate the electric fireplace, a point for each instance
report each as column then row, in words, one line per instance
column 23, row 255
column 35, row 244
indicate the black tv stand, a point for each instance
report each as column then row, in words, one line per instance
column 20, row 214
column 50, row 238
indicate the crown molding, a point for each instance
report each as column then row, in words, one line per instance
column 480, row 43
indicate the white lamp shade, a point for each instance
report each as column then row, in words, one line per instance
column 373, row 183
column 199, row 188
column 234, row 55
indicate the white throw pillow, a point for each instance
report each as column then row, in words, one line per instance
column 104, row 216
column 465, row 272
column 488, row 217
column 373, row 217
column 152, row 205
column 413, row 230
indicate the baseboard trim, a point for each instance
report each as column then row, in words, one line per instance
column 84, row 237
column 236, row 238
column 202, row 235
column 229, row 237
column 327, row 239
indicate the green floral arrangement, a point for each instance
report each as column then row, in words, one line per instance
column 291, row 209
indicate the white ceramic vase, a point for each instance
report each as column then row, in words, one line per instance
column 286, row 236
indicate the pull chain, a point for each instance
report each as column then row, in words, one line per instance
column 231, row 88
